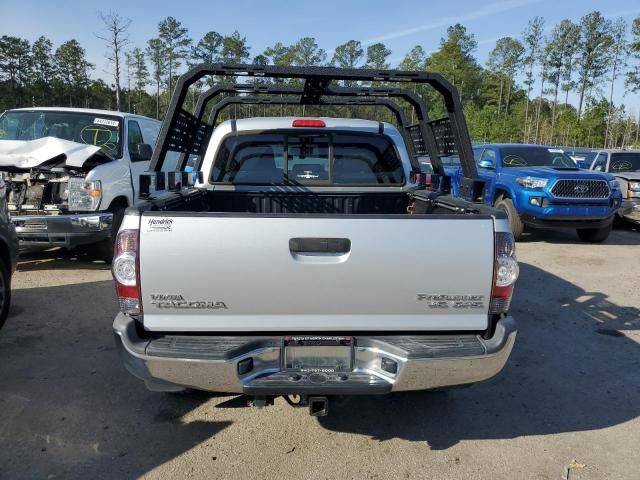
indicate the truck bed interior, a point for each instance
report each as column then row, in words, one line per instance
column 316, row 202
column 349, row 203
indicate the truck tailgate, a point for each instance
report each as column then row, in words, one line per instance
column 218, row 272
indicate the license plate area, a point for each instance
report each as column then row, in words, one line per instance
column 318, row 354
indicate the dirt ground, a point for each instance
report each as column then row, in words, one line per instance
column 571, row 391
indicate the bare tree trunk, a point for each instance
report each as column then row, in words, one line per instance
column 583, row 87
column 526, row 110
column 609, row 111
column 627, row 132
column 553, row 111
column 535, row 137
column 116, row 39
column 500, row 97
column 129, row 88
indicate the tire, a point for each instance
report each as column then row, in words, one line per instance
column 517, row 227
column 103, row 250
column 594, row 235
column 5, row 293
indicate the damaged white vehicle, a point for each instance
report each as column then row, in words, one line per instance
column 71, row 173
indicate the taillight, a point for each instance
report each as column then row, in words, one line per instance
column 125, row 271
column 505, row 272
column 308, row 122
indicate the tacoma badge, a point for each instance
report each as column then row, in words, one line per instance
column 164, row 300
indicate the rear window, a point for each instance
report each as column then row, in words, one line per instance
column 309, row 158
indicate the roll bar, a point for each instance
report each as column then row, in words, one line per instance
column 188, row 133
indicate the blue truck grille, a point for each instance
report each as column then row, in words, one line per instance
column 580, row 189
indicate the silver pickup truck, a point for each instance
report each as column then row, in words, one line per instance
column 304, row 255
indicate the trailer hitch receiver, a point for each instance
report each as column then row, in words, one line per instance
column 318, row 406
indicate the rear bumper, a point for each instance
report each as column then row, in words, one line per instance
column 219, row 363
column 62, row 230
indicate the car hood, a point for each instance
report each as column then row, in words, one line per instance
column 47, row 153
column 628, row 175
column 550, row 172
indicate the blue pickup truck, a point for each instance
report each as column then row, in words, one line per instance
column 542, row 187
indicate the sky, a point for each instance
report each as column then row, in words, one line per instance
column 331, row 22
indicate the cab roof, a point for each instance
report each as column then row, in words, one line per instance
column 517, row 145
column 268, row 123
column 92, row 111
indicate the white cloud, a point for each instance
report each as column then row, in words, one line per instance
column 484, row 11
column 623, row 13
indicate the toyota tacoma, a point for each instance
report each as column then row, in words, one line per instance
column 306, row 258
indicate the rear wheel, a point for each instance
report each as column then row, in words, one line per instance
column 517, row 227
column 5, row 292
column 594, row 235
column 104, row 249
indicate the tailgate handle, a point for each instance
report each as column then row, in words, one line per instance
column 334, row 246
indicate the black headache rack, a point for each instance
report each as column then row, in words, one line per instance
column 186, row 134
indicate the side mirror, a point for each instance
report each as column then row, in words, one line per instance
column 486, row 164
column 598, row 168
column 143, row 151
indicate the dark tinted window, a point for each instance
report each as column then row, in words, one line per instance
column 600, row 162
column 534, row 157
column 588, row 157
column 365, row 159
column 337, row 158
column 625, row 162
column 426, row 167
column 150, row 131
column 489, row 155
column 134, row 137
column 307, row 158
column 450, row 161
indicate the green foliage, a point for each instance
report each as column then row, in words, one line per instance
column 593, row 52
column 235, row 48
column 377, row 55
column 73, row 71
column 414, row 60
column 348, row 55
column 633, row 76
column 455, row 61
column 522, row 94
column 306, row 53
column 175, row 46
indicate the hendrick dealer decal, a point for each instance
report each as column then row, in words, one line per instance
column 159, row 224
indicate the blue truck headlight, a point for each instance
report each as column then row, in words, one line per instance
column 613, row 184
column 532, row 182
column 84, row 194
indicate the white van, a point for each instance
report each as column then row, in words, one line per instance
column 72, row 172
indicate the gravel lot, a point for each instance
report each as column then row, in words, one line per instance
column 570, row 391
